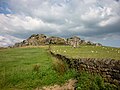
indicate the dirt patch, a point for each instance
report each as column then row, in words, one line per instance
column 70, row 85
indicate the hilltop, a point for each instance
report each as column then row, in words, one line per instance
column 57, row 65
column 41, row 39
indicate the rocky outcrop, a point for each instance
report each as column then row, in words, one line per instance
column 56, row 40
column 94, row 44
column 76, row 41
column 109, row 69
column 41, row 39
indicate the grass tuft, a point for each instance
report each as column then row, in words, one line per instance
column 36, row 68
column 60, row 66
column 87, row 81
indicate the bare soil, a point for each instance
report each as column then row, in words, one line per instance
column 69, row 85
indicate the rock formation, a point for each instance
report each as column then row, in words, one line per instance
column 76, row 41
column 41, row 39
column 57, row 40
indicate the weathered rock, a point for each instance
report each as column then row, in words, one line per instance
column 98, row 44
column 74, row 41
column 41, row 39
column 57, row 40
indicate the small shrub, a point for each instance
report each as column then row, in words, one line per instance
column 36, row 67
column 87, row 81
column 60, row 66
column 109, row 86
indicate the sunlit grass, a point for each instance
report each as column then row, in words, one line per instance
column 88, row 52
column 28, row 68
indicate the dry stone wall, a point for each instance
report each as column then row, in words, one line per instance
column 109, row 69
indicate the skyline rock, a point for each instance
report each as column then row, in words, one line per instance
column 41, row 39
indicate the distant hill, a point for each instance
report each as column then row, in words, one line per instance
column 41, row 39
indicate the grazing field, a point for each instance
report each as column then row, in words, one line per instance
column 87, row 52
column 28, row 68
column 32, row 68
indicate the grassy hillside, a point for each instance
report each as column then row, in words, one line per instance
column 30, row 68
column 88, row 52
column 26, row 68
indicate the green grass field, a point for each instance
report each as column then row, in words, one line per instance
column 28, row 68
column 33, row 67
column 87, row 52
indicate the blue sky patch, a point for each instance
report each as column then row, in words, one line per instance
column 5, row 8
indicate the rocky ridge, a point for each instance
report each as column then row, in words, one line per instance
column 41, row 39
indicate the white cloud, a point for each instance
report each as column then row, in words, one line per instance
column 109, row 21
column 61, row 17
column 16, row 23
column 90, row 1
column 6, row 40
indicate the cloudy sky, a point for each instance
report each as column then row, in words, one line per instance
column 94, row 20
